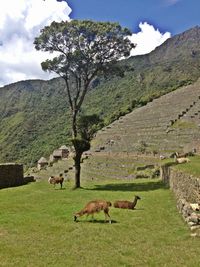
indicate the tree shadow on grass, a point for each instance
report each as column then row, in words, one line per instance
column 143, row 186
column 96, row 221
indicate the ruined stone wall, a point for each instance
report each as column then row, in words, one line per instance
column 11, row 174
column 186, row 188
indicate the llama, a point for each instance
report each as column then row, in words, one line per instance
column 181, row 160
column 56, row 180
column 124, row 204
column 95, row 206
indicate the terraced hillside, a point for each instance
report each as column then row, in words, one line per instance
column 115, row 166
column 167, row 124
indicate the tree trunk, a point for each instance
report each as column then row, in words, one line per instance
column 74, row 126
column 77, row 161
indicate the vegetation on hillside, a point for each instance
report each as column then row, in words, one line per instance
column 35, row 115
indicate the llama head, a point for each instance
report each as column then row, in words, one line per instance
column 137, row 197
column 78, row 214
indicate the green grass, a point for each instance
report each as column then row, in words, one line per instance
column 192, row 167
column 37, row 228
column 184, row 125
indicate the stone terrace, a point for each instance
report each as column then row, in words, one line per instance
column 169, row 123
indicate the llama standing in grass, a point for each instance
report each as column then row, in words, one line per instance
column 124, row 204
column 56, row 180
column 95, row 206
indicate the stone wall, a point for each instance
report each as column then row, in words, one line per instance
column 186, row 188
column 11, row 174
column 165, row 173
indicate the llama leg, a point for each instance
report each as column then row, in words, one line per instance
column 107, row 215
column 92, row 216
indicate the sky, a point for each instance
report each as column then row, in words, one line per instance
column 152, row 22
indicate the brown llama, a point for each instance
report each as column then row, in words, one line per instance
column 95, row 206
column 124, row 204
column 56, row 180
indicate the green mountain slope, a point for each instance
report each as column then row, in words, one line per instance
column 35, row 117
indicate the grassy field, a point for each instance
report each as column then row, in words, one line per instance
column 37, row 227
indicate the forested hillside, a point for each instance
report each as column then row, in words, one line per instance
column 35, row 117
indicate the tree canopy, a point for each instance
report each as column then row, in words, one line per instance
column 83, row 50
column 83, row 47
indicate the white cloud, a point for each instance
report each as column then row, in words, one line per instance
column 147, row 39
column 171, row 2
column 20, row 22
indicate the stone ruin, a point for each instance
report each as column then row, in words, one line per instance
column 11, row 174
column 187, row 192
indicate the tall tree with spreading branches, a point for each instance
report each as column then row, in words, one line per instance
column 83, row 50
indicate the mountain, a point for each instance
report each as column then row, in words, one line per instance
column 33, row 119
column 35, row 116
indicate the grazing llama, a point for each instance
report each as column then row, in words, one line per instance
column 95, row 206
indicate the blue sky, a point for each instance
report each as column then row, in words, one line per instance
column 174, row 16
column 151, row 21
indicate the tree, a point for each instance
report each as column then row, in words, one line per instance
column 83, row 50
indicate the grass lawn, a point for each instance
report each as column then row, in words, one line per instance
column 37, row 227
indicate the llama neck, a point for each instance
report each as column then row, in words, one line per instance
column 134, row 202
